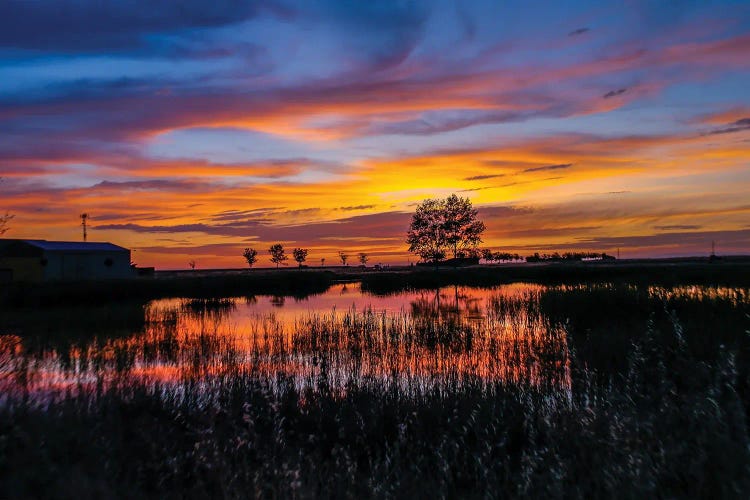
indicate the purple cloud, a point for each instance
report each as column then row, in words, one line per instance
column 549, row 167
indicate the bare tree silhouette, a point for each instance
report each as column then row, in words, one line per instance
column 363, row 258
column 300, row 255
column 251, row 256
column 4, row 220
column 344, row 257
column 277, row 254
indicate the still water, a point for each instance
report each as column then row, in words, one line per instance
column 519, row 333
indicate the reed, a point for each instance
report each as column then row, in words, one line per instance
column 420, row 403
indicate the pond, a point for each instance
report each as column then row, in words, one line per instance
column 523, row 334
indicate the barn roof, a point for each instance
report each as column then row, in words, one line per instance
column 62, row 246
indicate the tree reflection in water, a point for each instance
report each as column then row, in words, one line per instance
column 519, row 334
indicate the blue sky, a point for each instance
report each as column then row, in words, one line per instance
column 321, row 124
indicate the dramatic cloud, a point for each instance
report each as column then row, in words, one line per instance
column 356, row 207
column 188, row 128
column 614, row 93
column 737, row 126
column 674, row 243
column 579, row 31
column 549, row 167
column 678, row 227
column 382, row 226
column 483, row 177
column 91, row 25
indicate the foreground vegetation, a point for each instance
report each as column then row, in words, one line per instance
column 562, row 392
column 22, row 294
column 302, row 283
column 661, row 272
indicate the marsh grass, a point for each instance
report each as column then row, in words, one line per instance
column 297, row 284
column 582, row 391
column 667, row 273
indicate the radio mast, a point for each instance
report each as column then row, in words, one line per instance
column 84, row 217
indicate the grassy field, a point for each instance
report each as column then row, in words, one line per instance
column 590, row 390
column 304, row 282
column 199, row 284
column 664, row 272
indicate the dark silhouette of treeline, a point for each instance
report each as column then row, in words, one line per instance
column 568, row 256
column 687, row 272
column 26, row 294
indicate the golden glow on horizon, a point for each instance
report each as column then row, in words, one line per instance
column 538, row 188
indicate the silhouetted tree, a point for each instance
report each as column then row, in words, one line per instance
column 463, row 231
column 363, row 258
column 439, row 226
column 192, row 264
column 426, row 236
column 567, row 256
column 251, row 256
column 300, row 255
column 344, row 257
column 277, row 254
column 4, row 220
column 502, row 256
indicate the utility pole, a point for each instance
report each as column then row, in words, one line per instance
column 618, row 253
column 84, row 217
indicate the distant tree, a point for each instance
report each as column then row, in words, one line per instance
column 344, row 257
column 439, row 226
column 473, row 253
column 363, row 258
column 4, row 220
column 300, row 255
column 277, row 254
column 251, row 256
column 192, row 264
column 567, row 256
column 502, row 256
column 323, row 262
column 488, row 255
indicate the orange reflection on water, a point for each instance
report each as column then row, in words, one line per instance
column 414, row 338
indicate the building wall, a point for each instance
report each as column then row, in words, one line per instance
column 23, row 268
column 87, row 265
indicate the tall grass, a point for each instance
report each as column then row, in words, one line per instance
column 422, row 403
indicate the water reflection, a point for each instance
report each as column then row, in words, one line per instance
column 217, row 308
column 419, row 338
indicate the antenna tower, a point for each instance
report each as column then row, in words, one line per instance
column 84, row 218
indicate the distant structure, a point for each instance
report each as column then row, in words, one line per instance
column 41, row 260
column 84, row 218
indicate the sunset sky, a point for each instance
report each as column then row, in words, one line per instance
column 194, row 129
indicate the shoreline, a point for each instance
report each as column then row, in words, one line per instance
column 731, row 271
